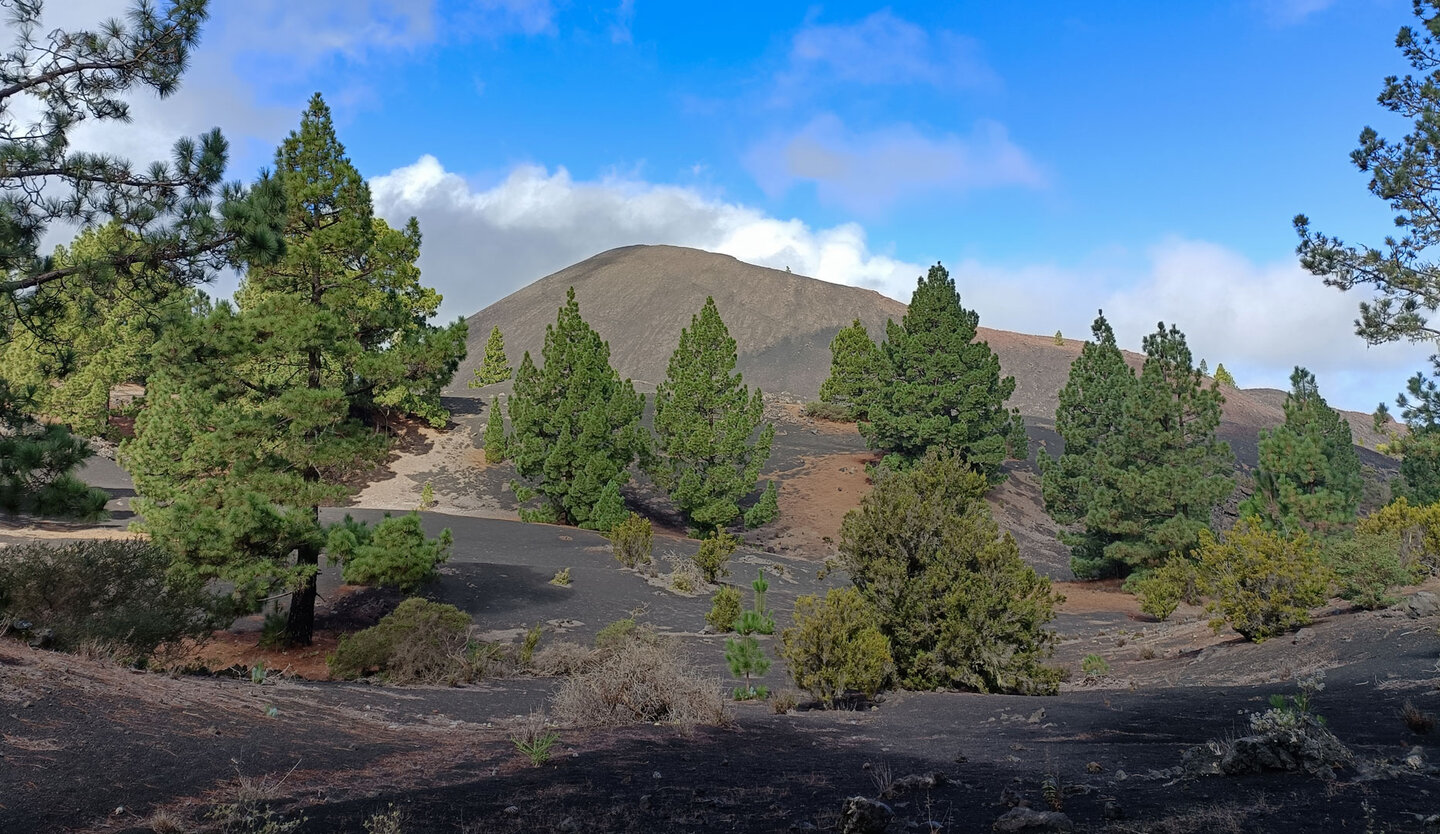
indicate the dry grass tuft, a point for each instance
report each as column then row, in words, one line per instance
column 166, row 822
column 1418, row 720
column 563, row 657
column 642, row 679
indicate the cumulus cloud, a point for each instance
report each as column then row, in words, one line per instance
column 885, row 49
column 484, row 243
column 866, row 172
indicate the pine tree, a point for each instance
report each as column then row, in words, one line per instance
column 1223, row 377
column 856, row 365
column 494, row 367
column 495, row 443
column 1157, row 484
column 251, row 424
column 1308, row 478
column 1089, row 419
column 174, row 223
column 706, row 421
column 941, row 387
column 575, row 427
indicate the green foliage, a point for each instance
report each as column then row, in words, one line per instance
column 1260, row 581
column 746, row 658
column 856, row 368
column 495, row 366
column 427, row 497
column 1161, row 590
column 1309, row 475
column 633, row 541
column 724, row 609
column 713, row 557
column 254, row 409
column 419, row 642
column 836, row 646
column 1059, row 339
column 1367, row 567
column 393, row 553
column 1141, row 468
column 827, row 411
column 114, row 592
column 1095, row 666
column 535, row 741
column 1417, row 529
column 36, row 465
column 575, row 427
column 615, row 633
column 706, row 421
column 561, row 578
column 756, row 620
column 765, row 509
column 959, row 606
column 940, row 387
column 494, row 438
column 1223, row 377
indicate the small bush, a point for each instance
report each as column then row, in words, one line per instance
column 534, row 738
column 562, row 658
column 836, row 646
column 420, row 642
column 1418, row 528
column 724, row 609
column 393, row 553
column 643, row 679
column 765, row 509
column 390, row 821
column 1094, row 666
column 615, row 633
column 119, row 592
column 834, row 412
column 1367, row 568
column 713, row 558
column 633, row 541
column 561, row 578
column 745, row 658
column 526, row 653
column 1161, row 591
column 1261, row 582
column 1416, row 719
column 784, row 701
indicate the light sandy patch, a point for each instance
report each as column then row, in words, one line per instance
column 451, row 465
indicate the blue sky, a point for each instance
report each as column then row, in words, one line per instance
column 1057, row 156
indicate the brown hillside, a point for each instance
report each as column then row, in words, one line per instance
column 639, row 297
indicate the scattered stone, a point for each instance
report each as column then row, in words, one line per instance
column 567, row 825
column 864, row 816
column 43, row 639
column 1121, row 776
column 1028, row 819
column 1011, row 797
column 1093, row 767
column 1112, row 810
column 1422, row 604
column 1304, row 635
column 512, row 810
column 1036, row 717
column 915, row 781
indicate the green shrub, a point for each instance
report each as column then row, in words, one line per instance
column 724, row 609
column 1418, row 528
column 836, row 646
column 393, row 553
column 119, row 592
column 633, row 541
column 419, row 642
column 714, row 556
column 765, row 509
column 1162, row 590
column 950, row 591
column 496, row 449
column 746, row 658
column 1095, row 666
column 1261, row 582
column 834, row 412
column 615, row 633
column 1367, row 567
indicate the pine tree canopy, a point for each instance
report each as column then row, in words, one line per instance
column 1308, row 478
column 941, row 388
column 856, row 368
column 1142, row 468
column 172, row 223
column 252, row 418
column 706, row 420
column 575, row 427
column 495, row 367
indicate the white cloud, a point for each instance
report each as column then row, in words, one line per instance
column 867, row 172
column 482, row 244
column 885, row 49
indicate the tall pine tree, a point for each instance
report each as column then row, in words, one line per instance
column 706, row 420
column 575, row 427
column 252, row 419
column 941, row 388
column 494, row 367
column 1089, row 419
column 1309, row 475
column 856, row 368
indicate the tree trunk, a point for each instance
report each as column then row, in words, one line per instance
column 300, row 624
